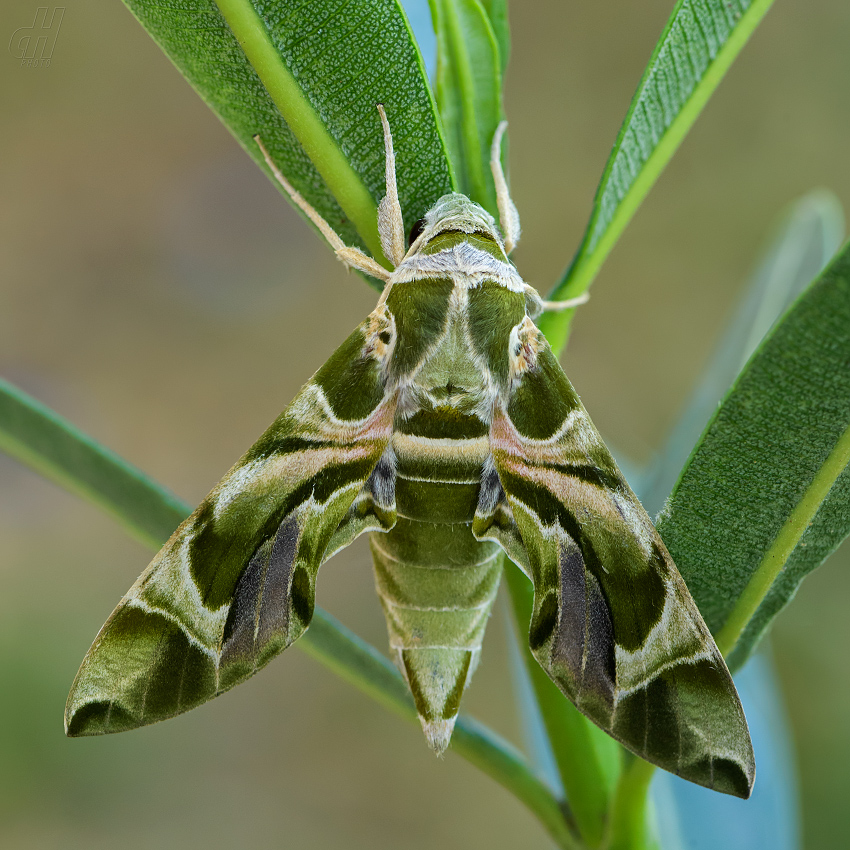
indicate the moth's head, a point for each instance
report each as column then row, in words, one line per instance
column 455, row 213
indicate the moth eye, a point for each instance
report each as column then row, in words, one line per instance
column 385, row 337
column 416, row 231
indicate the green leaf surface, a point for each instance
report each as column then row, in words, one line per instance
column 696, row 48
column 306, row 77
column 765, row 497
column 52, row 446
column 469, row 92
column 803, row 243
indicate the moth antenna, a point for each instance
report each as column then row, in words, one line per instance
column 557, row 306
column 352, row 257
column 508, row 214
column 390, row 219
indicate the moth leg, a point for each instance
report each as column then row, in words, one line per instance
column 374, row 507
column 494, row 519
column 508, row 215
column 535, row 306
column 390, row 220
column 557, row 306
column 352, row 257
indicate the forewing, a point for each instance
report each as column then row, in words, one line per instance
column 235, row 584
column 613, row 623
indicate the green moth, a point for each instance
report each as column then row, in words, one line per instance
column 445, row 427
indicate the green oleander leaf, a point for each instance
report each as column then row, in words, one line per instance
column 469, row 90
column 695, row 50
column 497, row 12
column 805, row 240
column 53, row 447
column 306, row 77
column 765, row 496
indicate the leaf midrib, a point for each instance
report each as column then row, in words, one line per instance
column 343, row 182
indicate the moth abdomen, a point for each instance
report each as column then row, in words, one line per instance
column 437, row 585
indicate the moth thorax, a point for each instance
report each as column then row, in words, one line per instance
column 450, row 366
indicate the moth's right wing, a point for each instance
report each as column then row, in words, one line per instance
column 613, row 623
column 235, row 584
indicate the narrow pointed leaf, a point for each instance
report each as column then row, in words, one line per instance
column 765, row 497
column 306, row 77
column 497, row 12
column 469, row 92
column 38, row 437
column 699, row 43
column 52, row 446
column 805, row 241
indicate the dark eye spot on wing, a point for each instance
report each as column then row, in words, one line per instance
column 416, row 231
column 385, row 337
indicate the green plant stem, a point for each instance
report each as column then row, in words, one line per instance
column 332, row 164
column 628, row 825
column 53, row 447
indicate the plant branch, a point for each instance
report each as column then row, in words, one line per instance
column 628, row 825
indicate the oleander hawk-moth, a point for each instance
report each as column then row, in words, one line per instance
column 445, row 427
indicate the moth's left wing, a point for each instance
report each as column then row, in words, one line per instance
column 613, row 623
column 235, row 584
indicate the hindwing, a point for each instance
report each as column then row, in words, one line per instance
column 235, row 584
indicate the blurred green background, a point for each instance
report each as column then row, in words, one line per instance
column 157, row 291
